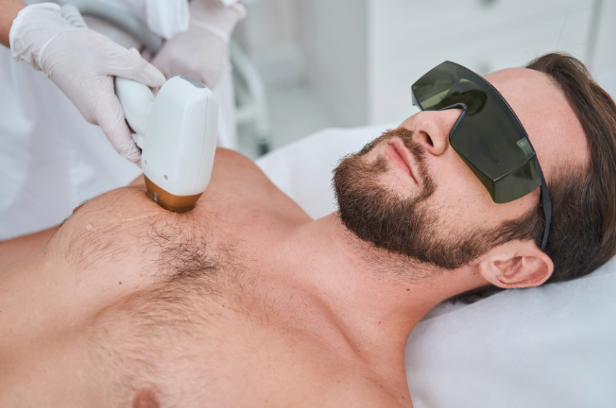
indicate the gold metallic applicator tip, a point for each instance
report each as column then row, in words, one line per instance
column 169, row 201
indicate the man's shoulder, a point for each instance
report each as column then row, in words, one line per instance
column 243, row 182
column 301, row 376
column 308, row 367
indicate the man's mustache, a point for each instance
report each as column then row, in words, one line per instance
column 407, row 136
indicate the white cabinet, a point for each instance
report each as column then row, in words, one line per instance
column 362, row 56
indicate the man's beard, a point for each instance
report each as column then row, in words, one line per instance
column 404, row 226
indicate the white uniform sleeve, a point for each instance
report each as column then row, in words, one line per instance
column 167, row 18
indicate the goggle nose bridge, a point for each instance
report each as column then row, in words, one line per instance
column 458, row 105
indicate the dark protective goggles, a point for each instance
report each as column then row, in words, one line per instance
column 488, row 135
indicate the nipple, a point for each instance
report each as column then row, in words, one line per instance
column 170, row 201
column 145, row 399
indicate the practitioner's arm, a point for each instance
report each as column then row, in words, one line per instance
column 81, row 62
column 13, row 250
column 8, row 12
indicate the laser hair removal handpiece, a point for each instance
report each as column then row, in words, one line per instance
column 177, row 131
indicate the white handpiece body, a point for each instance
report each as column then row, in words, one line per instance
column 137, row 101
column 178, row 139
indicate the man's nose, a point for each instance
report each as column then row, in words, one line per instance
column 432, row 128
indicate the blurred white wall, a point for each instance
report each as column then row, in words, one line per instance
column 335, row 43
column 407, row 38
column 604, row 53
column 361, row 56
column 271, row 36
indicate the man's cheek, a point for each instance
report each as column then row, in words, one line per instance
column 462, row 194
column 462, row 178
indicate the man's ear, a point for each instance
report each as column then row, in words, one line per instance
column 516, row 264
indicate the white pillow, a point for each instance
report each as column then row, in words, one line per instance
column 552, row 346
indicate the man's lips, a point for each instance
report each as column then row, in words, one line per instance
column 397, row 152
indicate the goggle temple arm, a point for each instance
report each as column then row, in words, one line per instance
column 546, row 204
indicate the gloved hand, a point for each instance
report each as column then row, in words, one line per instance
column 82, row 63
column 201, row 52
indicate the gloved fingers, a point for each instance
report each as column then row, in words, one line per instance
column 130, row 151
column 197, row 53
column 129, row 64
column 168, row 56
column 113, row 123
column 209, row 75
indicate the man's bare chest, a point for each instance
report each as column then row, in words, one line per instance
column 178, row 340
column 177, row 313
column 214, row 341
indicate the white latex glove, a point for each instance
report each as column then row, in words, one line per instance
column 201, row 52
column 82, row 63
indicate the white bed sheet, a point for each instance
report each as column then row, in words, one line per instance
column 553, row 346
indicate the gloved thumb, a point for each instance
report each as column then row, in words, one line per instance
column 114, row 126
column 129, row 64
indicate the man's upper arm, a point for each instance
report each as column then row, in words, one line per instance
column 15, row 249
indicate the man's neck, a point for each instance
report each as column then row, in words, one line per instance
column 376, row 298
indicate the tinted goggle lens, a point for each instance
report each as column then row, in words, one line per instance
column 487, row 136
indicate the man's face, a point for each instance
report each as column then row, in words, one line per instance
column 410, row 193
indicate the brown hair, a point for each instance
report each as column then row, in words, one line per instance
column 583, row 232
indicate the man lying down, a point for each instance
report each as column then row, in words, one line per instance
column 246, row 301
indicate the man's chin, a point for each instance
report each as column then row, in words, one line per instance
column 398, row 186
